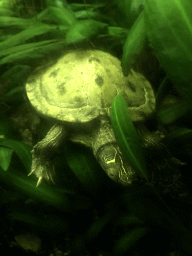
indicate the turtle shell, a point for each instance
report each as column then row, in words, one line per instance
column 83, row 83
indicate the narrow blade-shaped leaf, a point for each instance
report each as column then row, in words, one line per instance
column 129, row 239
column 134, row 44
column 127, row 136
column 84, row 166
column 5, row 157
column 169, row 29
column 21, row 149
column 84, row 29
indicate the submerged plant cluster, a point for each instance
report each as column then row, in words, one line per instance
column 85, row 213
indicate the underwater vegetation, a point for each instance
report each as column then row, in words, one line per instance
column 84, row 212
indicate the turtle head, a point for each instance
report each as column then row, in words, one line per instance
column 115, row 165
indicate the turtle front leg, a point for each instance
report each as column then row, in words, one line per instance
column 42, row 152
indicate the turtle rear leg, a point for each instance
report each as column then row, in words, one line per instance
column 42, row 152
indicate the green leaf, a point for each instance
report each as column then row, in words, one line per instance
column 6, row 128
column 18, row 22
column 19, row 49
column 169, row 29
column 84, row 29
column 117, row 31
column 134, row 44
column 171, row 114
column 97, row 226
column 20, row 182
column 128, row 220
column 15, row 95
column 129, row 10
column 156, row 213
column 181, row 141
column 26, row 34
column 94, row 6
column 84, row 166
column 18, row 74
column 26, row 52
column 52, row 223
column 180, row 135
column 61, row 16
column 21, row 149
column 86, row 14
column 109, row 217
column 6, row 12
column 5, row 157
column 129, row 239
column 127, row 136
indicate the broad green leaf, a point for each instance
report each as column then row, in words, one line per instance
column 61, row 16
column 84, row 29
column 6, row 128
column 21, row 149
column 18, row 74
column 20, row 182
column 180, row 135
column 5, row 157
column 169, row 29
column 171, row 114
column 52, row 222
column 134, row 44
column 58, row 3
column 128, row 11
column 128, row 220
column 21, row 48
column 117, row 31
column 26, row 52
column 76, row 7
column 89, row 14
column 84, row 166
column 6, row 12
column 181, row 141
column 156, row 213
column 26, row 34
column 97, row 227
column 15, row 95
column 18, row 22
column 127, row 136
column 129, row 239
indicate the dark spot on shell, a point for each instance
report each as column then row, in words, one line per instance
column 99, row 80
column 54, row 73
column 132, row 87
column 91, row 112
column 93, row 59
column 61, row 88
column 79, row 100
column 102, row 103
column 108, row 71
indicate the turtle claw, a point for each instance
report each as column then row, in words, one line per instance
column 39, row 181
column 41, row 167
column 43, row 171
column 31, row 172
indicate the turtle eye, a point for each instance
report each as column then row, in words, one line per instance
column 115, row 165
column 110, row 158
column 107, row 156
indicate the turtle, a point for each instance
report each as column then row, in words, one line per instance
column 77, row 92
